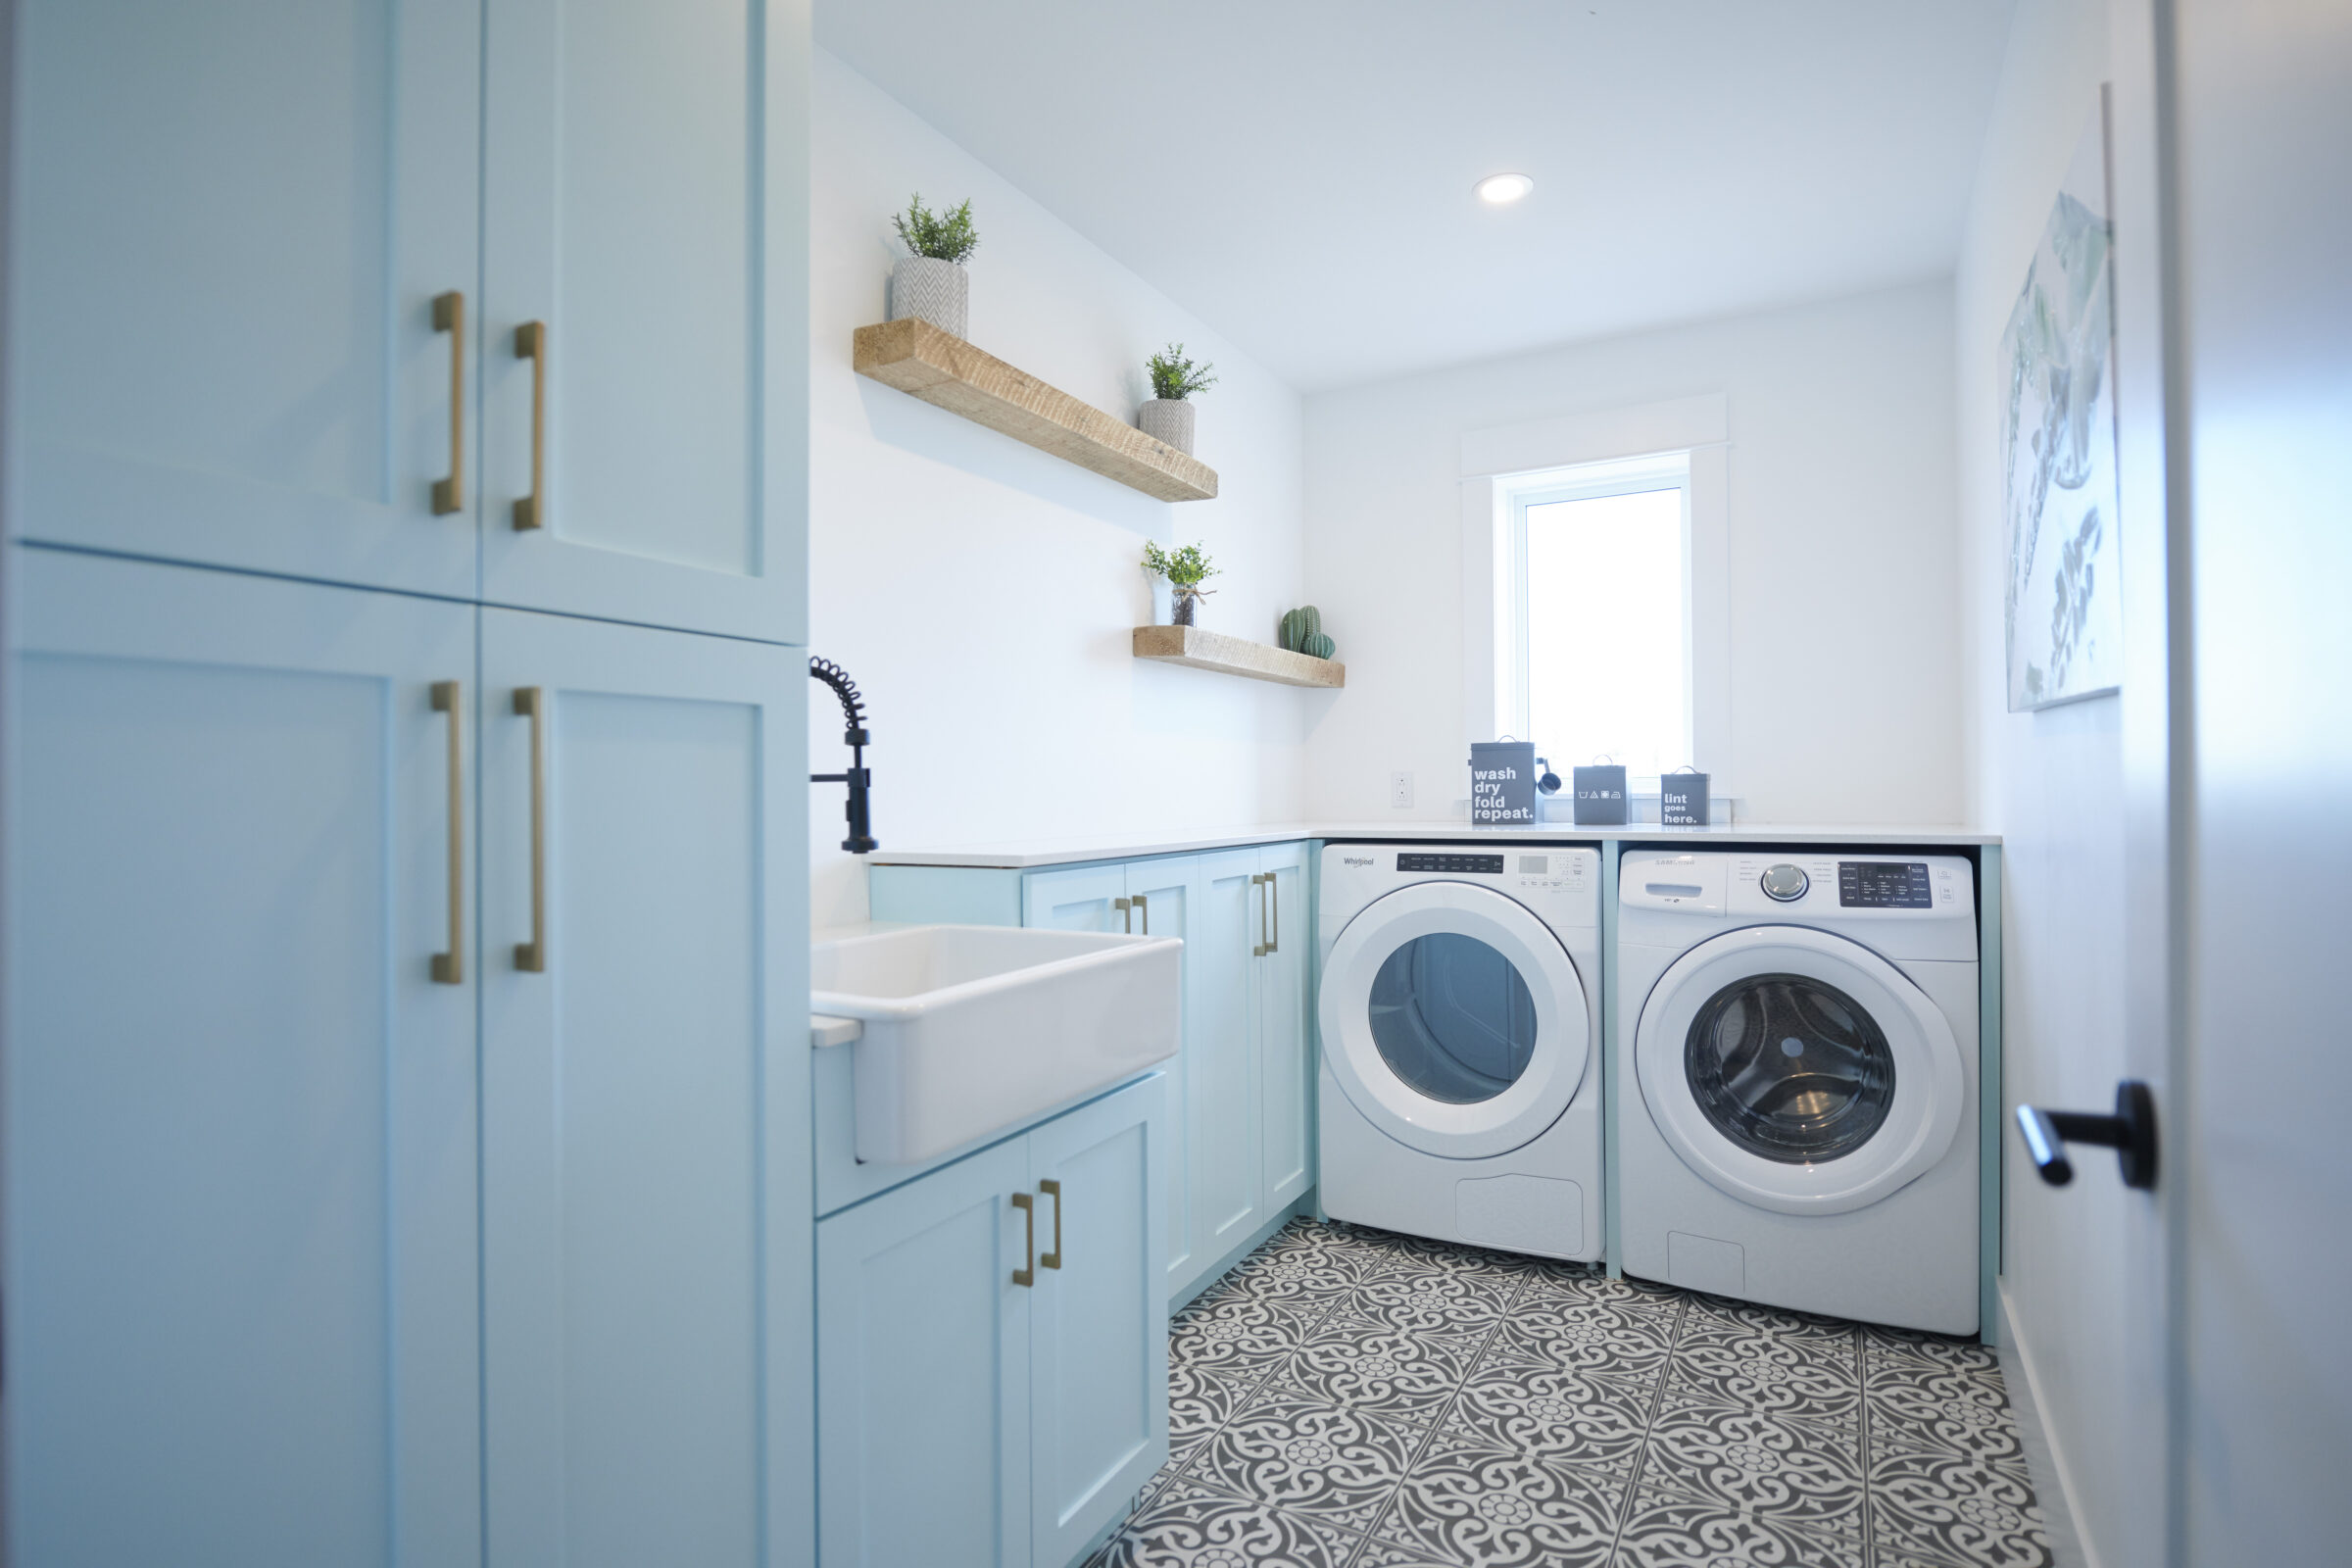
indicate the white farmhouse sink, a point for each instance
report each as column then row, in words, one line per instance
column 972, row 1028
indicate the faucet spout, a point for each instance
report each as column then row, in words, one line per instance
column 860, row 779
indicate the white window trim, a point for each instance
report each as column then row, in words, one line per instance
column 1491, row 460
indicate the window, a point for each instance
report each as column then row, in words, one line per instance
column 1599, row 602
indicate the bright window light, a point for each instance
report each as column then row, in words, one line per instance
column 1502, row 189
column 1603, row 634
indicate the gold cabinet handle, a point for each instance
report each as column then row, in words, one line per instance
column 530, row 343
column 1261, row 950
column 531, row 956
column 1143, row 906
column 1028, row 1207
column 1125, row 911
column 1274, row 930
column 449, row 968
column 1052, row 1259
column 449, row 316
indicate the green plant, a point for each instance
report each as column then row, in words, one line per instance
column 1186, row 570
column 1298, row 625
column 1319, row 646
column 946, row 235
column 1175, row 377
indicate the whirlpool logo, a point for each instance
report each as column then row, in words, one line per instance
column 1357, row 860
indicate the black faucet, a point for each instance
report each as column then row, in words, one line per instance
column 861, row 839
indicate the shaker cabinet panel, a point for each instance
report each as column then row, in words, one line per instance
column 1286, row 1064
column 631, row 955
column 647, row 460
column 239, row 1134
column 1224, row 1114
column 231, row 223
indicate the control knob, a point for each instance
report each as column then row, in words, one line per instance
column 1784, row 883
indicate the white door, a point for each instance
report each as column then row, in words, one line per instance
column 231, row 223
column 644, row 1091
column 1798, row 1071
column 1454, row 1020
column 645, row 205
column 2237, row 483
column 239, row 1088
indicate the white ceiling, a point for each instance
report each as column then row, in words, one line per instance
column 1297, row 172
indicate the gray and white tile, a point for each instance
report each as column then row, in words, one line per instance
column 1310, row 1457
column 1562, row 1413
column 1429, row 1299
column 1668, row 1529
column 1368, row 1366
column 1188, row 1526
column 1237, row 1334
column 1801, row 1473
column 1937, row 1508
column 1487, row 1505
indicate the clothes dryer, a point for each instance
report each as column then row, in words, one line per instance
column 1460, row 1029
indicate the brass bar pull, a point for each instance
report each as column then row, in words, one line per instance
column 1261, row 950
column 1274, row 931
column 449, row 316
column 1143, row 906
column 449, row 968
column 1052, row 1259
column 530, row 343
column 1126, row 914
column 531, row 956
column 1028, row 1207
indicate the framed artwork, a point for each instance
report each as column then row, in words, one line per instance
column 2062, row 601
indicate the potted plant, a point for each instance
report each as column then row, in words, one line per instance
column 1168, row 416
column 1185, row 570
column 930, row 282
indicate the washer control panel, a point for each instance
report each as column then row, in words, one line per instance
column 1782, row 882
column 1477, row 864
column 1882, row 885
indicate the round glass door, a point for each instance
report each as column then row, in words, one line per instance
column 1790, row 1067
column 1452, row 1017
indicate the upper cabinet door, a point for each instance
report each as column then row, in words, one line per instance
column 645, row 231
column 231, row 223
column 644, row 1046
column 239, row 1138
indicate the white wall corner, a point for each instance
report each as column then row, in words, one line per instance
column 1485, row 620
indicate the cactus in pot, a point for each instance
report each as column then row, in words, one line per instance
column 1302, row 632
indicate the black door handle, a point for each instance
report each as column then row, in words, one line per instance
column 2130, row 1132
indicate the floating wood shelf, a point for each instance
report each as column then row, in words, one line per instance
column 1196, row 649
column 941, row 368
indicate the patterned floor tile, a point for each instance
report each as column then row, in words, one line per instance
column 1932, row 1414
column 1713, row 1315
column 1936, row 1508
column 1201, row 1399
column 1562, row 1413
column 1594, row 1335
column 1432, row 1301
column 1806, row 1377
column 1485, row 1505
column 1802, row 1473
column 1901, row 1346
column 1188, row 1526
column 1313, row 1458
column 1371, row 1366
column 1237, row 1334
column 1590, row 1282
column 1667, row 1529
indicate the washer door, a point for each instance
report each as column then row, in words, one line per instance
column 1798, row 1071
column 1453, row 1019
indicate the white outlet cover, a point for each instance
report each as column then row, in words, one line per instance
column 1401, row 790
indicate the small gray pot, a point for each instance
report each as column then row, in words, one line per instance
column 1168, row 419
column 932, row 290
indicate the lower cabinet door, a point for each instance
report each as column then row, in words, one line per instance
column 1220, row 1039
column 239, row 1139
column 647, row 1225
column 1098, row 1335
column 1162, row 891
column 1285, row 1054
column 924, row 1370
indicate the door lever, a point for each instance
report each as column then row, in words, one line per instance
column 2130, row 1132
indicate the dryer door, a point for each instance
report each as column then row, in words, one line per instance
column 1453, row 1019
column 1798, row 1071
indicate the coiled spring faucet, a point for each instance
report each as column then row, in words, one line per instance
column 859, row 778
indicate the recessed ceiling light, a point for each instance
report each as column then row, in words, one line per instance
column 1500, row 190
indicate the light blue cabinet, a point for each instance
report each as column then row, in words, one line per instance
column 276, row 256
column 316, row 1183
column 241, row 1128
column 992, row 1374
column 1241, row 1091
column 642, row 1054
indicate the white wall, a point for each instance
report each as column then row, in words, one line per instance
column 982, row 592
column 1845, row 653
column 2051, row 783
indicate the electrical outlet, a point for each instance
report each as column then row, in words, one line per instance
column 1401, row 790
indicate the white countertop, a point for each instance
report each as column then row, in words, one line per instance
column 1025, row 853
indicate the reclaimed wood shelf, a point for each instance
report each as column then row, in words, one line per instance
column 1196, row 649
column 941, row 368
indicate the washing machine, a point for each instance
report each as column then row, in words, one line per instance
column 1459, row 1027
column 1796, row 1070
